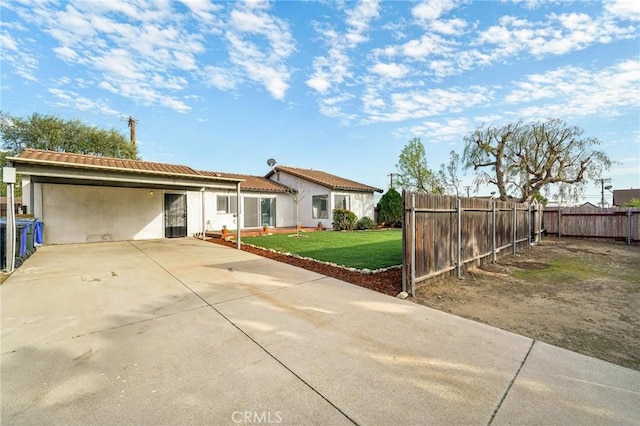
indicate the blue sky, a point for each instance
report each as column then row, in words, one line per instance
column 334, row 86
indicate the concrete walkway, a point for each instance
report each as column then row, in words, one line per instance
column 187, row 332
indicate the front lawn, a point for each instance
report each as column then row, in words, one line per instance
column 357, row 249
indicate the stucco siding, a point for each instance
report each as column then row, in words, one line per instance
column 74, row 213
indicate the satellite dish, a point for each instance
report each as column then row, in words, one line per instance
column 271, row 162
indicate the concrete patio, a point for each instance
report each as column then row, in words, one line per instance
column 182, row 331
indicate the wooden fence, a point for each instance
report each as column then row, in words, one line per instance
column 445, row 235
column 612, row 224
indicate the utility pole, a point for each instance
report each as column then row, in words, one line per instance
column 602, row 182
column 131, row 122
column 390, row 180
column 468, row 187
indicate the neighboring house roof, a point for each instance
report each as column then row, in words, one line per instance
column 623, row 196
column 66, row 159
column 325, row 179
column 588, row 204
column 252, row 183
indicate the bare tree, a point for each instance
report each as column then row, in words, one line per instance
column 521, row 159
column 297, row 194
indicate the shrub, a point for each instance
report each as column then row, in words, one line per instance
column 365, row 222
column 344, row 220
column 390, row 209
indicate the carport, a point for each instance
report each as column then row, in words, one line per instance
column 85, row 198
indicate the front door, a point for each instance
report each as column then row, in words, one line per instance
column 175, row 215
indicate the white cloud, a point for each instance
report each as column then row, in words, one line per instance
column 425, row 103
column 392, row 70
column 332, row 69
column 220, row 78
column 430, row 10
column 71, row 99
column 203, row 9
column 16, row 53
column 442, row 131
column 557, row 35
column 264, row 63
column 576, row 91
column 624, row 9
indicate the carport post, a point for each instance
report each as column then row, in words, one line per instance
column 9, row 177
column 239, row 215
column 204, row 229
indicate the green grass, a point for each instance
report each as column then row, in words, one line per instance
column 358, row 249
column 562, row 269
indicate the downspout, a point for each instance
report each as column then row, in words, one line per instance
column 240, row 215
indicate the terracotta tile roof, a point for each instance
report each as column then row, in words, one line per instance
column 36, row 156
column 251, row 183
column 325, row 179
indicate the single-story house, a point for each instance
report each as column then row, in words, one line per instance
column 318, row 193
column 83, row 198
column 623, row 196
column 263, row 203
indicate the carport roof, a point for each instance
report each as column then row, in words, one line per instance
column 93, row 162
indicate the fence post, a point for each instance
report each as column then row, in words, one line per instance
column 493, row 232
column 515, row 224
column 629, row 226
column 530, row 228
column 559, row 221
column 413, row 244
column 459, row 260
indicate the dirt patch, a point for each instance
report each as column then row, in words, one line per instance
column 580, row 295
column 576, row 294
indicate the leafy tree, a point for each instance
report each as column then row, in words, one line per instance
column 413, row 171
column 390, row 208
column 448, row 174
column 55, row 134
column 634, row 202
column 524, row 158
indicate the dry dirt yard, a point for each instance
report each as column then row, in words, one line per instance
column 576, row 294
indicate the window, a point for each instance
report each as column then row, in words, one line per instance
column 320, row 207
column 227, row 204
column 341, row 202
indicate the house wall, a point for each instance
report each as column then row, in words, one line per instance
column 76, row 213
column 215, row 220
column 306, row 191
column 361, row 203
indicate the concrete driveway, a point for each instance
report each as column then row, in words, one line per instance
column 186, row 332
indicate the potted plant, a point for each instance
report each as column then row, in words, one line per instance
column 265, row 229
column 225, row 231
column 320, row 226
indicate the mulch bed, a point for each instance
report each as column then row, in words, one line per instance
column 387, row 282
